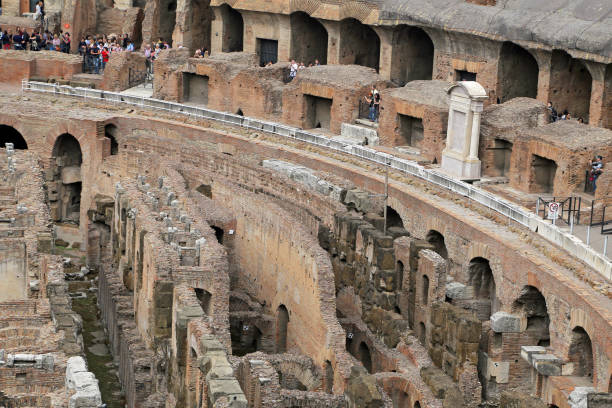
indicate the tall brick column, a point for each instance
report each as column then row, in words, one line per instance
column 386, row 51
column 333, row 40
column 543, row 59
column 601, row 95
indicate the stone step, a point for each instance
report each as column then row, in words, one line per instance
column 360, row 134
column 367, row 123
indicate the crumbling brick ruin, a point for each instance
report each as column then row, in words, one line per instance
column 215, row 231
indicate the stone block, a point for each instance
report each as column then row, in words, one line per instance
column 547, row 364
column 527, row 352
column 599, row 400
column 226, row 387
column 71, row 174
column 458, row 291
column 361, row 135
column 498, row 369
column 469, row 331
column 578, row 397
column 520, row 400
column 502, row 322
column 384, row 258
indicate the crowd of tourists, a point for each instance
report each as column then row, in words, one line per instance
column 565, row 115
column 35, row 40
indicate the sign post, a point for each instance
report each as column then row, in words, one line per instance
column 553, row 211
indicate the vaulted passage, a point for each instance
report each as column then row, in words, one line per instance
column 167, row 20
column 483, row 287
column 65, row 200
column 308, row 39
column 413, row 53
column 365, row 357
column 570, row 85
column 9, row 134
column 437, row 240
column 393, row 218
column 233, row 28
column 518, row 73
column 110, row 132
column 532, row 305
column 359, row 44
column 282, row 321
column 581, row 353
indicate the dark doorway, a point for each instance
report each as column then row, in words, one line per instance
column 218, row 234
column 422, row 333
column 410, row 130
column 393, row 218
column 532, row 305
column 268, row 51
column 308, row 39
column 204, row 299
column 464, row 75
column 65, row 200
column 359, row 44
column 543, row 172
column 518, row 73
column 400, row 274
column 195, row 88
column 233, row 29
column 365, row 356
column 318, row 112
column 581, row 353
column 167, row 20
column 205, row 189
column 110, row 132
column 413, row 54
column 502, row 152
column 9, row 134
column 282, row 323
column 329, row 377
column 437, row 240
column 482, row 282
column 425, row 292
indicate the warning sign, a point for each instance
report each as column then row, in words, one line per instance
column 553, row 211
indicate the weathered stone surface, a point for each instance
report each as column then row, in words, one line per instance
column 502, row 322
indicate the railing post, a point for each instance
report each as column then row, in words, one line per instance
column 538, row 207
column 605, row 246
column 588, row 240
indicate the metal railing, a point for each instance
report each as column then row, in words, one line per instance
column 513, row 212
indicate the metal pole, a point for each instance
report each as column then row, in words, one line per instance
column 538, row 207
column 571, row 225
column 605, row 248
column 588, row 234
column 386, row 196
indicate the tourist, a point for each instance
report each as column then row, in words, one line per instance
column 56, row 42
column 596, row 170
column 580, row 120
column 376, row 95
column 293, row 70
column 317, row 63
column 130, row 46
column 17, row 40
column 35, row 41
column 198, row 53
column 25, row 39
column 552, row 112
column 65, row 43
column 372, row 109
column 105, row 57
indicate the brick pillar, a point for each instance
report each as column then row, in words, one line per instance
column 598, row 109
column 216, row 31
column 543, row 59
column 284, row 40
column 333, row 40
column 386, row 51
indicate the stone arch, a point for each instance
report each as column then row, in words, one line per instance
column 531, row 304
column 400, row 274
column 328, row 377
column 482, row 284
column 437, row 240
column 365, row 356
column 110, row 132
column 204, row 298
column 359, row 44
column 425, row 290
column 9, row 134
column 308, row 39
column 282, row 323
column 393, row 218
column 232, row 28
column 417, row 404
column 218, row 234
column 570, row 85
column 517, row 73
column 581, row 352
column 65, row 202
column 422, row 333
column 413, row 55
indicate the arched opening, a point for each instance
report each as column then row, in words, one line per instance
column 532, row 305
column 606, row 118
column 245, row 338
column 437, row 240
column 308, row 39
column 425, row 292
column 393, row 218
column 233, row 29
column 328, row 383
column 570, row 85
column 359, row 44
column 517, row 73
column 610, row 384
column 282, row 323
column 422, row 333
column 167, row 20
column 205, row 189
column 400, row 275
column 413, row 55
column 417, row 404
column 581, row 353
column 218, row 234
column 400, row 398
column 482, row 283
column 365, row 357
column 9, row 134
column 110, row 132
column 65, row 202
column 204, row 297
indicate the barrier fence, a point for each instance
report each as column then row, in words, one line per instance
column 513, row 212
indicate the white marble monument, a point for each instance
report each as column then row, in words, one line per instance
column 460, row 157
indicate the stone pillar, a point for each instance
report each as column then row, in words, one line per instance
column 216, row 31
column 543, row 59
column 385, row 60
column 597, row 108
column 333, row 41
column 460, row 157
